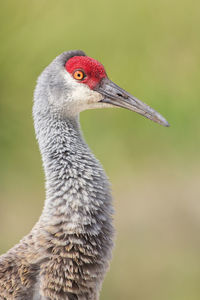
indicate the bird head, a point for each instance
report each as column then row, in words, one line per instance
column 77, row 82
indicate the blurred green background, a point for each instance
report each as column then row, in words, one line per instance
column 150, row 48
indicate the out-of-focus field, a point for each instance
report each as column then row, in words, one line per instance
column 150, row 48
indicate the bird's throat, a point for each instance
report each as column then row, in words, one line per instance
column 77, row 190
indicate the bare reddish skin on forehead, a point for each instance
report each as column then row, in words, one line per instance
column 93, row 70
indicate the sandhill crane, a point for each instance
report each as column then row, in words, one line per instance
column 67, row 253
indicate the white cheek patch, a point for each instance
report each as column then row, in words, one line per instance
column 81, row 97
column 82, row 94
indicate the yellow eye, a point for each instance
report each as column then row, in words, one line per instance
column 78, row 75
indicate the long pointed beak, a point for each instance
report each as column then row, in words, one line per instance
column 116, row 96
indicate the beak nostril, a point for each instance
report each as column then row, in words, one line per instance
column 122, row 95
column 119, row 94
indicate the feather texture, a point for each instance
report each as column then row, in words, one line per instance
column 67, row 253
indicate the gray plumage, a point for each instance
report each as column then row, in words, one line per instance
column 67, row 253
